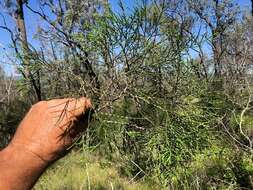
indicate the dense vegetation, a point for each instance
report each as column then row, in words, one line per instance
column 171, row 84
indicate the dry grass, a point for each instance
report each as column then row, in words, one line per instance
column 80, row 171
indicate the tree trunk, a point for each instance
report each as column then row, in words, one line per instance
column 252, row 7
column 19, row 16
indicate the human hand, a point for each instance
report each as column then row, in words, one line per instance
column 44, row 135
column 50, row 127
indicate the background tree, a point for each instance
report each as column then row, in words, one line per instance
column 171, row 83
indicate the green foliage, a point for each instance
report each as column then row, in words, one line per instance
column 214, row 168
column 162, row 113
column 10, row 116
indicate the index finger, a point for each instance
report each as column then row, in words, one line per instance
column 77, row 106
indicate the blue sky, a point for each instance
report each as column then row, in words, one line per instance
column 31, row 22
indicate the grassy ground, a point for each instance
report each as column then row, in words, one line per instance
column 79, row 171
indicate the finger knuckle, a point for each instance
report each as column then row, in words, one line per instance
column 39, row 104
